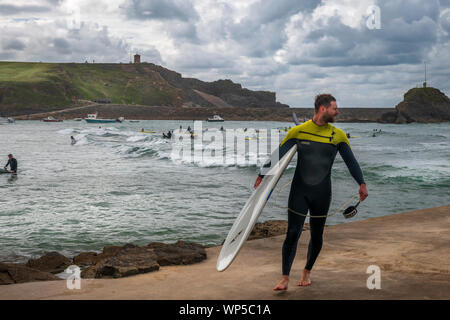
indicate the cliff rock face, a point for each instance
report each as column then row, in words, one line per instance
column 231, row 93
column 423, row 105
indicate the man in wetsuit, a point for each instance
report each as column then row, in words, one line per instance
column 317, row 145
column 12, row 163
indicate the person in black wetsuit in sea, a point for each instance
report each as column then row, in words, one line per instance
column 317, row 145
column 12, row 163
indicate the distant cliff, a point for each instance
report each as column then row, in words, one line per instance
column 27, row 88
column 420, row 105
column 220, row 93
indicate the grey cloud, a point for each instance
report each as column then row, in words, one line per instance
column 62, row 46
column 264, row 11
column 190, row 60
column 409, row 10
column 14, row 44
column 160, row 10
column 11, row 9
column 444, row 3
column 55, row 2
column 402, row 39
column 183, row 30
column 262, row 33
column 265, row 40
column 7, row 55
column 445, row 22
column 88, row 43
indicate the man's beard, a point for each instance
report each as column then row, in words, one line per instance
column 327, row 118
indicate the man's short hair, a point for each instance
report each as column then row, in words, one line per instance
column 10, row 155
column 323, row 99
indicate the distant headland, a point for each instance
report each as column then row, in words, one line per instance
column 34, row 90
column 423, row 105
column 27, row 88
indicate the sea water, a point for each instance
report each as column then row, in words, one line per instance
column 117, row 185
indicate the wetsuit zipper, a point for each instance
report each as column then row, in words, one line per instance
column 313, row 134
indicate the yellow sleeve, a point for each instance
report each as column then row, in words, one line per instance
column 290, row 134
column 341, row 137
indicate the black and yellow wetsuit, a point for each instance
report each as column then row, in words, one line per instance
column 317, row 147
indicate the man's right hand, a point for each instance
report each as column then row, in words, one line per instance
column 257, row 182
column 363, row 193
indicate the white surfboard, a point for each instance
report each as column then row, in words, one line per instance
column 246, row 220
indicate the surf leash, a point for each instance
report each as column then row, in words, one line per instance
column 351, row 211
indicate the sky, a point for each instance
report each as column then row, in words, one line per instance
column 367, row 53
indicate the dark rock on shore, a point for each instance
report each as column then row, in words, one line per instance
column 178, row 253
column 52, row 262
column 424, row 105
column 113, row 262
column 86, row 259
column 270, row 228
column 11, row 273
column 127, row 261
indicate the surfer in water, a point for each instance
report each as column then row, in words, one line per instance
column 12, row 163
column 317, row 143
column 72, row 140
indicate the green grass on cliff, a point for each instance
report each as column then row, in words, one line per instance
column 19, row 72
column 429, row 95
column 40, row 86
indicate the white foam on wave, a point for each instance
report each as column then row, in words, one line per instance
column 66, row 131
column 81, row 139
column 136, row 138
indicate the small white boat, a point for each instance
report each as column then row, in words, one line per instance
column 92, row 118
column 215, row 118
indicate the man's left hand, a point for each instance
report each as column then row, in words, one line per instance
column 363, row 192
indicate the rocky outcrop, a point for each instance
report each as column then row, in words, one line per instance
column 112, row 262
column 270, row 228
column 224, row 90
column 178, row 253
column 52, row 262
column 127, row 261
column 11, row 273
column 86, row 259
column 425, row 105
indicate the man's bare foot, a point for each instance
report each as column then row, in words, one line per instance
column 305, row 279
column 283, row 284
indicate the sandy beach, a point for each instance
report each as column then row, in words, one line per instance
column 410, row 248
